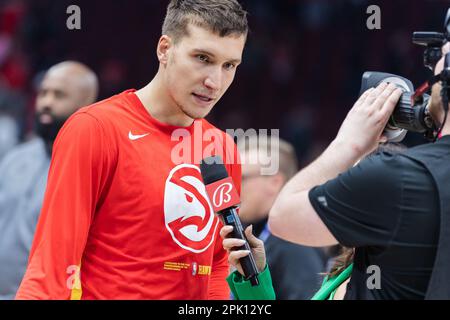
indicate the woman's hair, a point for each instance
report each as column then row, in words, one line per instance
column 342, row 261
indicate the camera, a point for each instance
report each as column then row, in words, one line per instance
column 411, row 112
column 433, row 41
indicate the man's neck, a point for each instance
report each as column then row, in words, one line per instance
column 158, row 103
column 258, row 226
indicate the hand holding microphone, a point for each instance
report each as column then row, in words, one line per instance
column 225, row 200
column 232, row 245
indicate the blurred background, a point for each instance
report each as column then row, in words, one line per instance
column 301, row 72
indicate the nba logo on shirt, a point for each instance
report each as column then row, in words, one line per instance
column 188, row 214
column 194, row 268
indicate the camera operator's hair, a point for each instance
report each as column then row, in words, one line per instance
column 222, row 17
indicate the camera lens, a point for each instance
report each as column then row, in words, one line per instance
column 408, row 116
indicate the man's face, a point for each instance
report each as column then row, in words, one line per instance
column 435, row 108
column 258, row 192
column 58, row 97
column 200, row 68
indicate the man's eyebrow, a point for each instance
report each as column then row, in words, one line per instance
column 212, row 55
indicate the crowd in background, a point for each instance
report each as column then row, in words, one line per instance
column 301, row 72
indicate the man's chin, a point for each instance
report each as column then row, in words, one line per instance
column 196, row 115
column 48, row 131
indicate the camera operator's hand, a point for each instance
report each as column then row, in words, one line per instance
column 230, row 244
column 362, row 129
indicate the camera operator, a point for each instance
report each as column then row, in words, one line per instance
column 393, row 208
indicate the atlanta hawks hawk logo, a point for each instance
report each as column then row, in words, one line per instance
column 188, row 215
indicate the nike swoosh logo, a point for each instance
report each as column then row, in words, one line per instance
column 133, row 137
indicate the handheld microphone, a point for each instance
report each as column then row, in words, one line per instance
column 225, row 199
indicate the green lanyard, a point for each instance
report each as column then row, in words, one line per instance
column 329, row 286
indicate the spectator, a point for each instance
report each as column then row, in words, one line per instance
column 65, row 88
column 295, row 269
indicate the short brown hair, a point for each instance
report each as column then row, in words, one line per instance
column 288, row 164
column 222, row 17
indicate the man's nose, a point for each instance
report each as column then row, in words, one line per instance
column 45, row 103
column 213, row 80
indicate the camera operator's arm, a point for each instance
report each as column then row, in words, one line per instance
column 292, row 217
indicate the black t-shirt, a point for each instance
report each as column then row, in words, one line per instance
column 387, row 207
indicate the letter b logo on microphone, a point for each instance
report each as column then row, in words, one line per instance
column 222, row 194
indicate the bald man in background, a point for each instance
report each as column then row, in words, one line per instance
column 295, row 270
column 65, row 88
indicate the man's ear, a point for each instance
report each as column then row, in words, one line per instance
column 165, row 43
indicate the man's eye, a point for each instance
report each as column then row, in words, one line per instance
column 202, row 58
column 229, row 66
column 60, row 95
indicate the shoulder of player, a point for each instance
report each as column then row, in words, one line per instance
column 109, row 111
column 102, row 115
column 85, row 126
column 104, row 109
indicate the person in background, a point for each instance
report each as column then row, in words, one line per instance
column 392, row 208
column 66, row 87
column 295, row 269
column 336, row 279
column 12, row 118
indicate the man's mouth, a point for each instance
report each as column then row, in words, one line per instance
column 45, row 118
column 203, row 97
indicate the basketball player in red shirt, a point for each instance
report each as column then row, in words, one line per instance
column 125, row 214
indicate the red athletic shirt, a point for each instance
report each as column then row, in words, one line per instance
column 126, row 202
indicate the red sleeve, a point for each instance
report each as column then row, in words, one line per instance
column 77, row 175
column 218, row 287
